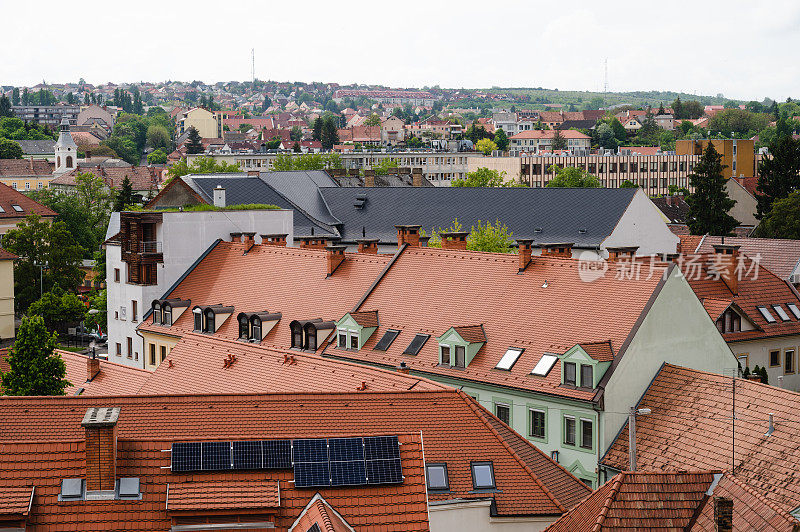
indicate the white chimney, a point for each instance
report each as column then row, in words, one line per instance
column 219, row 196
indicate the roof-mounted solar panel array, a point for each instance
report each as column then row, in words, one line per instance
column 237, row 455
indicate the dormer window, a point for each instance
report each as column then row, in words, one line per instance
column 587, row 376
column 355, row 328
column 157, row 313
column 244, row 327
column 254, row 326
column 308, row 335
column 209, row 325
column 165, row 310
column 569, row 373
column 730, row 321
column 166, row 318
column 198, row 319
column 459, row 345
column 208, row 319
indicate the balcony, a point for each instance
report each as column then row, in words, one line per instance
column 150, row 247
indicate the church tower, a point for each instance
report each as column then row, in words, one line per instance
column 66, row 149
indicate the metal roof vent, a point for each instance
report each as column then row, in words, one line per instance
column 71, row 489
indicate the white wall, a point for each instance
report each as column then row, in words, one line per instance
column 757, row 352
column 474, row 517
column 642, row 225
column 184, row 237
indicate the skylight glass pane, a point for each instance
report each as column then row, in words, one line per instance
column 767, row 315
column 2, row 209
column 545, row 365
column 794, row 309
column 387, row 340
column 416, row 344
column 508, row 360
column 781, row 313
column 17, row 208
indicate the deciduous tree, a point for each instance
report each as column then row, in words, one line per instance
column 34, row 366
column 10, row 149
column 571, row 177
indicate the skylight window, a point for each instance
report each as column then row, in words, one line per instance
column 510, row 358
column 767, row 315
column 17, row 208
column 794, row 309
column 781, row 313
column 2, row 209
column 544, row 365
column 386, row 341
column 437, row 477
column 482, row 475
column 416, row 344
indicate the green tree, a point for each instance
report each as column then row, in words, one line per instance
column 628, row 184
column 482, row 177
column 308, row 161
column 677, row 108
column 778, row 173
column 783, row 220
column 383, row 166
column 34, row 366
column 158, row 137
column 124, row 147
column 501, row 139
column 201, row 165
column 15, row 96
column 157, row 157
column 283, row 163
column 10, row 149
column 559, row 142
column 492, row 238
column 98, row 320
column 194, row 143
column 649, row 133
column 39, row 243
column 330, row 135
column 124, row 196
column 605, row 137
column 571, row 177
column 738, row 122
column 58, row 308
column 244, row 128
column 5, row 106
column 296, row 134
column 267, row 103
column 372, row 120
column 486, row 146
column 317, row 129
column 710, row 204
column 415, row 142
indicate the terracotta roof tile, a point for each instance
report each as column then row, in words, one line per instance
column 690, row 427
column 141, row 177
column 10, row 197
column 367, row 318
column 223, row 494
column 600, row 351
column 7, row 255
column 548, row 134
column 472, row 333
column 25, row 168
column 715, row 307
column 780, row 256
column 15, row 500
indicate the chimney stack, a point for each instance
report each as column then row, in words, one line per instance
column 622, row 253
column 726, row 258
column 368, row 245
column 236, row 237
column 274, row 239
column 525, row 247
column 416, row 177
column 403, row 368
column 248, row 238
column 253, row 173
column 92, row 367
column 219, row 197
column 100, row 425
column 454, row 240
column 559, row 249
column 311, row 242
column 723, row 514
column 334, row 256
column 369, row 178
column 408, row 234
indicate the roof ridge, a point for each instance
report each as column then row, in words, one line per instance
column 612, row 496
column 474, row 407
column 72, row 354
column 738, row 380
column 745, row 486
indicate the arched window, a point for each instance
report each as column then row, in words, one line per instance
column 311, row 337
column 69, row 161
column 157, row 313
column 166, row 319
column 256, row 328
column 198, row 319
column 209, row 321
column 58, row 161
column 244, row 327
column 297, row 335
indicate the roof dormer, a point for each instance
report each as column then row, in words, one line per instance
column 254, row 326
column 355, row 328
column 310, row 334
column 584, row 364
column 459, row 345
column 167, row 311
column 209, row 318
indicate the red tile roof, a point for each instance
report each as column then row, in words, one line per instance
column 690, row 427
column 780, row 256
column 25, row 168
column 671, row 501
column 15, row 500
column 7, row 255
column 10, row 197
column 600, row 351
column 367, row 318
column 548, row 134
column 141, row 177
column 320, row 513
column 233, row 494
column 195, row 365
column 44, row 443
column 471, row 333
column 545, row 309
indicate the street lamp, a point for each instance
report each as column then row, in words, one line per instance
column 42, row 266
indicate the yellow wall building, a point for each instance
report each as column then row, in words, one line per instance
column 6, row 295
column 738, row 155
column 207, row 123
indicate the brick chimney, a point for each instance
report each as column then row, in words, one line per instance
column 100, row 425
column 723, row 514
column 253, row 173
column 274, row 239
column 408, row 234
column 311, row 242
column 403, row 368
column 369, row 178
column 31, row 163
column 525, row 247
column 334, row 256
column 455, row 240
column 622, row 253
column 92, row 367
column 368, row 245
column 236, row 237
column 248, row 238
column 416, row 177
column 726, row 258
column 558, row 249
column 423, row 241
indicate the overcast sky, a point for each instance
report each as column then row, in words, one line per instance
column 743, row 49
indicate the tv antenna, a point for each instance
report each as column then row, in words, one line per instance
column 253, row 65
column 605, row 77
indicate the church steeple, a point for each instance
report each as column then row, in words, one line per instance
column 66, row 149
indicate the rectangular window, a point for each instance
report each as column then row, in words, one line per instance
column 569, row 430
column 163, row 352
column 461, row 356
column 537, row 424
column 482, row 475
column 354, row 341
column 130, row 347
column 116, row 275
column 788, row 365
column 436, row 475
column 445, row 354
column 767, row 315
column 509, row 358
column 586, row 433
column 342, row 339
column 388, row 337
column 152, row 354
column 167, row 317
column 775, row 358
column 781, row 313
column 198, row 319
column 134, row 309
column 416, row 344
column 794, row 309
column 587, row 376
column 119, row 349
column 503, row 413
column 743, row 359
column 569, row 373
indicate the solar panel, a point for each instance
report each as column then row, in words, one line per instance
column 416, row 344
column 247, row 455
column 384, row 471
column 347, row 461
column 216, row 455
column 381, row 447
column 277, row 454
column 311, row 474
column 346, row 449
column 186, row 457
column 311, row 450
column 387, row 339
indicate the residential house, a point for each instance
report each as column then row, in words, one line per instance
column 392, row 131
column 38, row 149
column 701, row 420
column 148, row 251
column 698, row 501
column 536, row 141
column 393, row 97
column 746, row 203
column 367, row 135
column 16, row 206
column 96, row 115
column 144, row 179
column 665, row 122
column 7, row 316
column 207, row 123
column 738, row 155
column 675, row 211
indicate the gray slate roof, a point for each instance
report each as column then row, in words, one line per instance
column 585, row 217
column 37, row 147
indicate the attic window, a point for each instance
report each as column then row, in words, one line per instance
column 1, row 208
column 767, row 315
column 386, row 341
column 416, row 344
column 483, row 475
column 436, row 474
column 244, row 328
column 166, row 316
column 210, row 321
column 157, row 313
column 16, row 208
column 794, row 309
column 509, row 358
column 781, row 313
column 544, row 365
column 198, row 319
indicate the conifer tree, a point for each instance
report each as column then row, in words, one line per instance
column 710, row 204
column 35, row 368
column 194, row 144
column 124, row 196
column 778, row 173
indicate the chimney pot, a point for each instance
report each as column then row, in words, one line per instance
column 622, row 253
column 403, row 368
column 274, row 239
column 92, row 367
column 369, row 178
column 248, row 238
column 558, row 249
column 334, row 256
column 312, row 242
column 408, row 234
column 416, row 177
column 236, row 237
column 368, row 245
column 219, row 197
column 726, row 258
